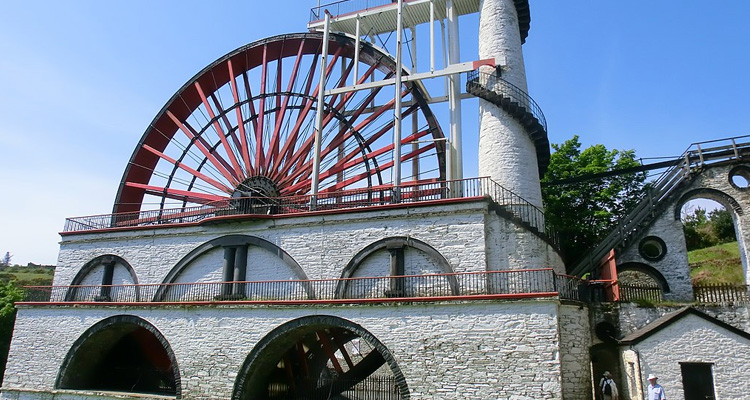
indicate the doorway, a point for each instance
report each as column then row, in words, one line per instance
column 697, row 381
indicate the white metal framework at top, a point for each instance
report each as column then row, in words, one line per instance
column 366, row 18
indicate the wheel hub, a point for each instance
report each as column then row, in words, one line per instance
column 257, row 194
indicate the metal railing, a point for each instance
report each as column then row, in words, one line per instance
column 500, row 86
column 657, row 192
column 344, row 200
column 521, row 283
column 346, row 7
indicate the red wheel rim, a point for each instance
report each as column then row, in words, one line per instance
column 244, row 124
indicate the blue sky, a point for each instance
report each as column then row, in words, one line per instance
column 81, row 80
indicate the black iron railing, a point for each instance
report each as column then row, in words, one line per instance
column 344, row 200
column 521, row 283
column 500, row 86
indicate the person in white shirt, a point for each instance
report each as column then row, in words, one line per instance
column 655, row 391
column 608, row 387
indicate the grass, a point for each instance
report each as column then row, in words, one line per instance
column 715, row 265
column 27, row 276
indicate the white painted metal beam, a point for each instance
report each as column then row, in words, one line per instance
column 452, row 69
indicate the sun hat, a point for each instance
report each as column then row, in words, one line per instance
column 652, row 376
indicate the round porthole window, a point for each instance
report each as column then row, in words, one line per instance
column 652, row 248
column 739, row 177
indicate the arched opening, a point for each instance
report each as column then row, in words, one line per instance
column 641, row 282
column 320, row 357
column 709, row 219
column 226, row 265
column 121, row 354
column 407, row 261
column 95, row 280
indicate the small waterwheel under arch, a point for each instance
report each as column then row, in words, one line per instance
column 243, row 128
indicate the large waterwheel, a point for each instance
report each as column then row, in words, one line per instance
column 243, row 127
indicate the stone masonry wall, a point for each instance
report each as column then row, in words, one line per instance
column 471, row 350
column 574, row 351
column 510, row 247
column 321, row 245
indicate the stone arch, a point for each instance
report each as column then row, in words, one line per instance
column 708, row 193
column 648, row 270
column 113, row 354
column 106, row 259
column 397, row 241
column 233, row 240
column 301, row 338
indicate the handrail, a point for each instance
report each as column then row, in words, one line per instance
column 657, row 192
column 519, row 283
column 492, row 82
column 345, row 7
column 344, row 200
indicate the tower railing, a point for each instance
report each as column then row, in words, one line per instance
column 494, row 83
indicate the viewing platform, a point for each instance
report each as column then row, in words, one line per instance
column 424, row 194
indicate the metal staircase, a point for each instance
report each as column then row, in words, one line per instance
column 694, row 160
column 518, row 104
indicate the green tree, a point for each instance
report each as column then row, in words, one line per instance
column 583, row 213
column 722, row 225
column 707, row 228
column 9, row 294
column 696, row 229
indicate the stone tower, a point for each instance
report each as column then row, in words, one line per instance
column 507, row 153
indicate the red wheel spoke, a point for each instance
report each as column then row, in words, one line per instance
column 244, row 150
column 200, row 151
column 381, row 168
column 221, row 165
column 306, row 169
column 176, row 194
column 305, row 148
column 231, row 132
column 273, row 147
column 357, row 113
column 343, row 165
column 219, row 131
column 288, row 148
column 261, row 113
column 191, row 171
column 328, row 349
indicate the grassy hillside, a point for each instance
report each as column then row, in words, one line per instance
column 716, row 265
column 27, row 276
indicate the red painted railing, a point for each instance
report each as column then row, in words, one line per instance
column 508, row 284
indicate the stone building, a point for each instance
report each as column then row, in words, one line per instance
column 270, row 241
